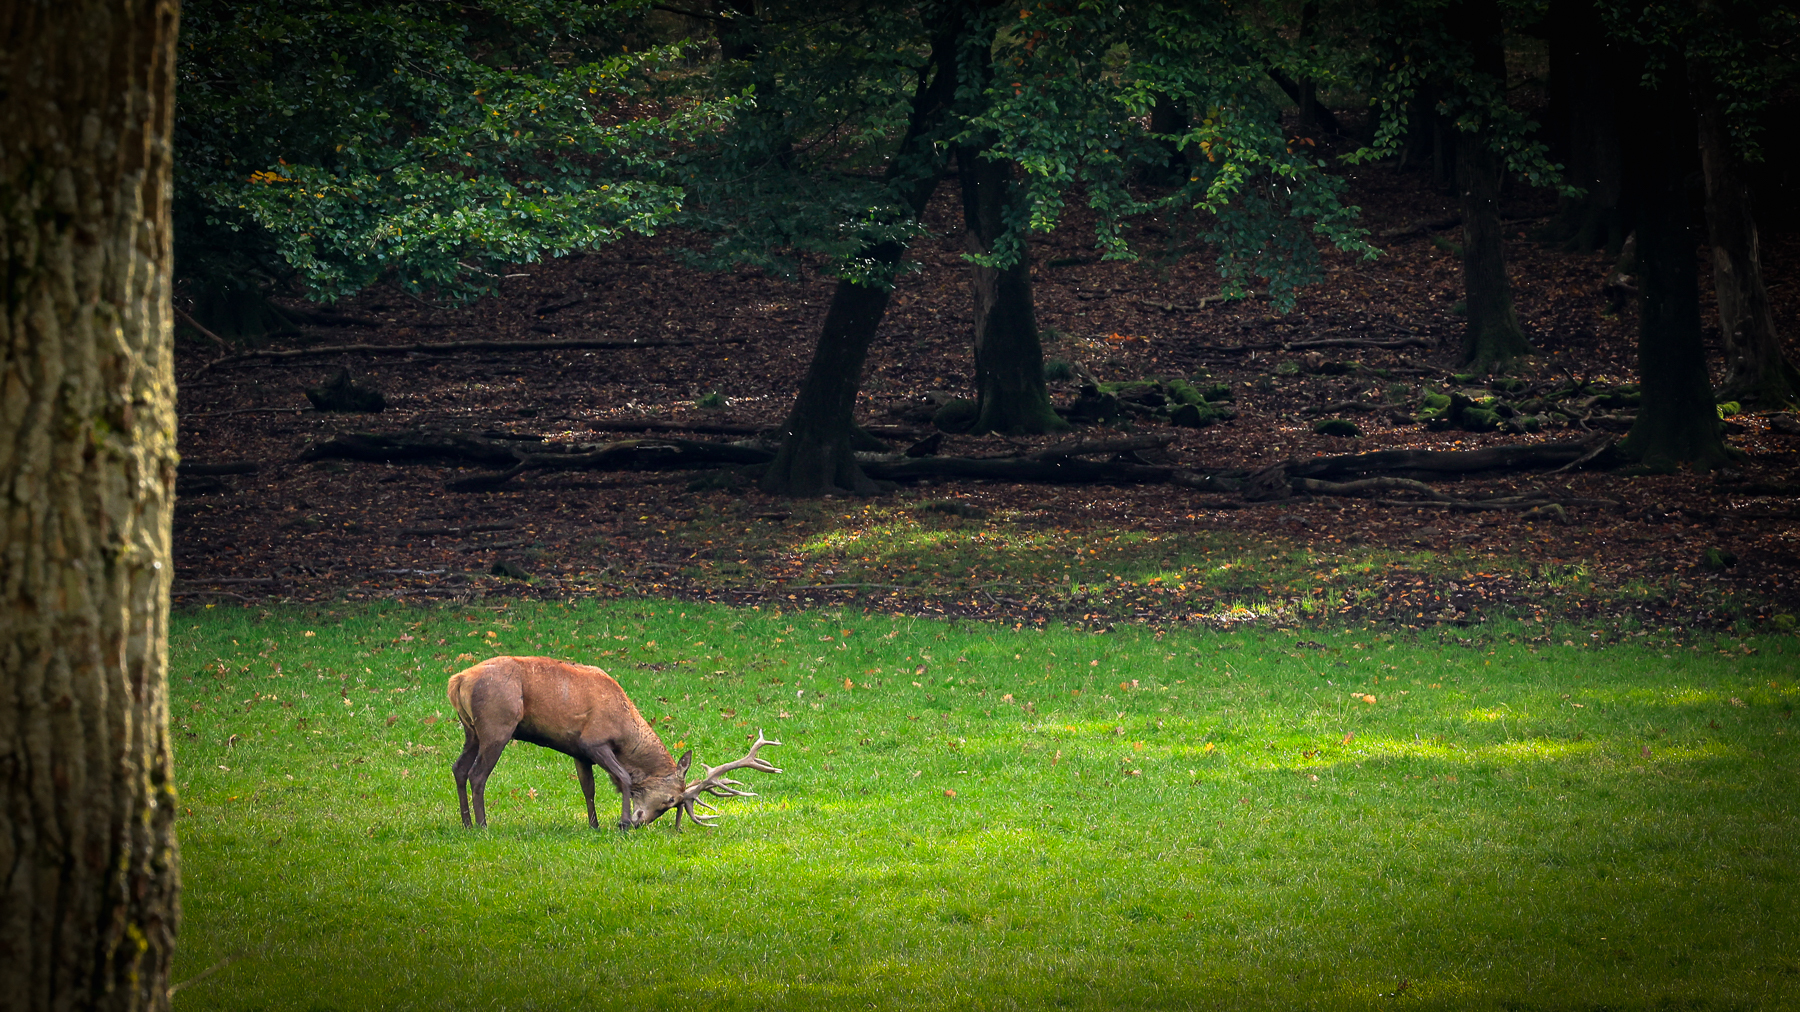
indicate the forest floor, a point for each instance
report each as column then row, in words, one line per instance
column 1094, row 554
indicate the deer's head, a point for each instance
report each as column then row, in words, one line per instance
column 653, row 796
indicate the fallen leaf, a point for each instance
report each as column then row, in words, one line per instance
column 392, row 717
column 1349, row 736
column 1209, row 747
column 848, row 685
column 948, row 793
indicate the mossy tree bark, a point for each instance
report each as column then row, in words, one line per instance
column 1009, row 358
column 1756, row 370
column 817, row 454
column 1492, row 338
column 89, row 898
column 1677, row 420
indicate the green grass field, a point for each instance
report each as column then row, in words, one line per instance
column 984, row 816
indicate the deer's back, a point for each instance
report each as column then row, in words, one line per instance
column 556, row 704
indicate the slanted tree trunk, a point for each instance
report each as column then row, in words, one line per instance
column 88, row 861
column 1677, row 422
column 1585, row 129
column 1756, row 370
column 817, row 455
column 1009, row 359
column 1492, row 338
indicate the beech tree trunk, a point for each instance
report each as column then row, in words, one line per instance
column 1756, row 370
column 1677, row 421
column 88, row 860
column 817, row 455
column 1009, row 359
column 1585, row 126
column 1492, row 338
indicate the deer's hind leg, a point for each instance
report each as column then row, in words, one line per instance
column 478, row 775
column 464, row 763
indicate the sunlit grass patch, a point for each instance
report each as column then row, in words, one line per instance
column 993, row 816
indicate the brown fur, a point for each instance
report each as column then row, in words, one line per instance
column 575, row 709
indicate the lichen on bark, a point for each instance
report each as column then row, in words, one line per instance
column 90, row 904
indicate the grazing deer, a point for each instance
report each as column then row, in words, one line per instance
column 581, row 712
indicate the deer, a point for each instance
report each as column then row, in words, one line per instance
column 583, row 713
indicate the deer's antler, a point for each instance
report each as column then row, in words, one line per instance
column 720, row 786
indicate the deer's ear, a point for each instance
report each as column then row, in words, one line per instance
column 681, row 765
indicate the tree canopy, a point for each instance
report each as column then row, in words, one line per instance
column 341, row 143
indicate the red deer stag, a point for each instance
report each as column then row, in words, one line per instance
column 581, row 712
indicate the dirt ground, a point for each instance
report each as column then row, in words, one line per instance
column 331, row 530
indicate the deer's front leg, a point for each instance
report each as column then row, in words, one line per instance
column 621, row 778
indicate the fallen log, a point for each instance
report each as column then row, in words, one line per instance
column 1349, row 342
column 1342, row 406
column 1083, row 446
column 726, row 428
column 1205, row 301
column 1366, row 485
column 446, row 347
column 417, row 447
column 1324, row 342
column 626, row 454
column 1278, row 481
column 1019, row 469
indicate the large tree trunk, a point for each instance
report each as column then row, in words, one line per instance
column 820, row 435
column 817, row 455
column 89, row 905
column 1677, row 422
column 1493, row 338
column 1756, row 370
column 1009, row 360
column 1584, row 129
